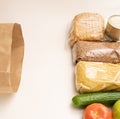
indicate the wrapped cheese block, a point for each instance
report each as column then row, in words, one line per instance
column 87, row 26
column 96, row 51
column 97, row 76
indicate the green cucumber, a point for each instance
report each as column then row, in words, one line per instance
column 107, row 98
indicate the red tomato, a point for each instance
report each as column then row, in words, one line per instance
column 97, row 111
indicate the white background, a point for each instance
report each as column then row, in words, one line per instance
column 47, row 83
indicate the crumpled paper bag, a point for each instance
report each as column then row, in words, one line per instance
column 11, row 56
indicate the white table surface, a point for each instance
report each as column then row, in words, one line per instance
column 47, row 83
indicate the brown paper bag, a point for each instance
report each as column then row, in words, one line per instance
column 11, row 56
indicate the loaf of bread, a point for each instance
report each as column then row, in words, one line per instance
column 97, row 76
column 96, row 51
column 87, row 26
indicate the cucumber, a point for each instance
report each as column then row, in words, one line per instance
column 107, row 98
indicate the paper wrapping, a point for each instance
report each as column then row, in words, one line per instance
column 96, row 51
column 11, row 57
column 97, row 76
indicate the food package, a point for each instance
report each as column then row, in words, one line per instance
column 96, row 51
column 97, row 76
column 11, row 56
column 87, row 26
column 112, row 31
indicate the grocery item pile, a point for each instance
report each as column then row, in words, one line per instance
column 96, row 56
